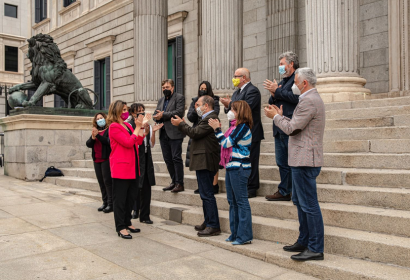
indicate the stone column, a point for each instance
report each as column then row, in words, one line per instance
column 221, row 42
column 150, row 49
column 332, row 48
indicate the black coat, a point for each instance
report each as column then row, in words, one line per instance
column 144, row 164
column 284, row 96
column 194, row 119
column 105, row 141
column 252, row 96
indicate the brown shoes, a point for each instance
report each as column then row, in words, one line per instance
column 178, row 188
column 208, row 231
column 200, row 227
column 169, row 188
column 277, row 197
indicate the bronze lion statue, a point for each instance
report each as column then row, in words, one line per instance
column 50, row 75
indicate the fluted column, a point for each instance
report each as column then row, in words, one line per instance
column 282, row 31
column 221, row 42
column 150, row 48
column 332, row 48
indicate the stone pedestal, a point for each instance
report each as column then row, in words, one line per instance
column 151, row 42
column 35, row 142
column 221, row 43
column 332, row 50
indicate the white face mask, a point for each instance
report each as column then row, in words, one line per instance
column 230, row 115
column 296, row 90
column 199, row 112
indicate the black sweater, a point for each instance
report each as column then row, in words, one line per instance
column 105, row 141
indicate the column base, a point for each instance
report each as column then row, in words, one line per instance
column 339, row 89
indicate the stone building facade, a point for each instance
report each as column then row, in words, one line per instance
column 122, row 49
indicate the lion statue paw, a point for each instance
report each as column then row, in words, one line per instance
column 27, row 103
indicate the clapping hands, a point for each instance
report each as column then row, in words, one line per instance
column 214, row 123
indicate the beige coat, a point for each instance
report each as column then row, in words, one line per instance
column 306, row 129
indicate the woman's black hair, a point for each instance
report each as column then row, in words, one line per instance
column 208, row 89
column 135, row 106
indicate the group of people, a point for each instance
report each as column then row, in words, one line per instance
column 124, row 153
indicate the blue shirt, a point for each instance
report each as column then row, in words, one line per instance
column 206, row 114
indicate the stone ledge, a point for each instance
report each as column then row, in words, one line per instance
column 41, row 23
column 69, row 7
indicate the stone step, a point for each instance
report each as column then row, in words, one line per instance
column 332, row 267
column 394, row 198
column 367, row 133
column 389, row 221
column 384, row 102
column 345, row 160
column 340, row 241
column 384, row 111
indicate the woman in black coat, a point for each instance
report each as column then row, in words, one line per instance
column 204, row 88
column 99, row 142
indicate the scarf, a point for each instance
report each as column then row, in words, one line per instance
column 226, row 153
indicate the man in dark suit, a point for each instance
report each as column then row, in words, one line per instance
column 282, row 95
column 249, row 93
column 205, row 156
column 170, row 137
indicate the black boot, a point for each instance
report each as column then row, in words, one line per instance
column 102, row 207
column 134, row 215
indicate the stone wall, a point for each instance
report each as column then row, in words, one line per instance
column 374, row 44
column 302, row 48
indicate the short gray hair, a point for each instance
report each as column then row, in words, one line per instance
column 307, row 74
column 291, row 57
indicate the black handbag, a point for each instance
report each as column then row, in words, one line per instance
column 52, row 172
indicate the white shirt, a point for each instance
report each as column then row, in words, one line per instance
column 244, row 86
column 145, row 139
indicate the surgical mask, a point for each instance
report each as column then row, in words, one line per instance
column 167, row 93
column 125, row 116
column 199, row 112
column 230, row 115
column 296, row 90
column 236, row 82
column 282, row 70
column 202, row 92
column 101, row 122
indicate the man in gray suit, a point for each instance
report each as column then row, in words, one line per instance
column 170, row 137
column 306, row 130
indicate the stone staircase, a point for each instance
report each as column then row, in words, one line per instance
column 363, row 189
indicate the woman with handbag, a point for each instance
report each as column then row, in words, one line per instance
column 101, row 150
column 124, row 165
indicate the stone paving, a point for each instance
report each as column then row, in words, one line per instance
column 51, row 232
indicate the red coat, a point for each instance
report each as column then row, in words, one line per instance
column 122, row 157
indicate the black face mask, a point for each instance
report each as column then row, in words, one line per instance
column 167, row 93
column 140, row 114
column 202, row 92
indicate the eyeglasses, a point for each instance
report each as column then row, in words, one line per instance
column 238, row 76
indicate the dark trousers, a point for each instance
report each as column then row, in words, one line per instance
column 205, row 180
column 304, row 196
column 103, row 173
column 172, row 153
column 125, row 192
column 253, row 181
column 142, row 204
column 281, row 154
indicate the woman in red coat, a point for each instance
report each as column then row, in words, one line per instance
column 124, row 141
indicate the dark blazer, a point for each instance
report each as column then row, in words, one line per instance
column 194, row 119
column 176, row 106
column 105, row 141
column 284, row 96
column 252, row 96
column 205, row 149
column 146, row 163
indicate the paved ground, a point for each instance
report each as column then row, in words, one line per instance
column 49, row 232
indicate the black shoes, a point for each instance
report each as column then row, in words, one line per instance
column 147, row 222
column 200, row 227
column 102, row 207
column 196, row 191
column 169, row 188
column 125, row 236
column 208, row 231
column 294, row 248
column 178, row 188
column 134, row 215
column 108, row 209
column 136, row 230
column 308, row 255
column 251, row 194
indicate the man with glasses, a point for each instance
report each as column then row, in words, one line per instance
column 248, row 92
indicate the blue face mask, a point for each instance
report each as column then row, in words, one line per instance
column 101, row 122
column 282, row 69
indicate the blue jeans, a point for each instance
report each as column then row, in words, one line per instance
column 240, row 217
column 205, row 180
column 311, row 229
column 281, row 153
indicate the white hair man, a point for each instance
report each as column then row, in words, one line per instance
column 306, row 130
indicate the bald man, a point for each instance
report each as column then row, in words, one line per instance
column 248, row 92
